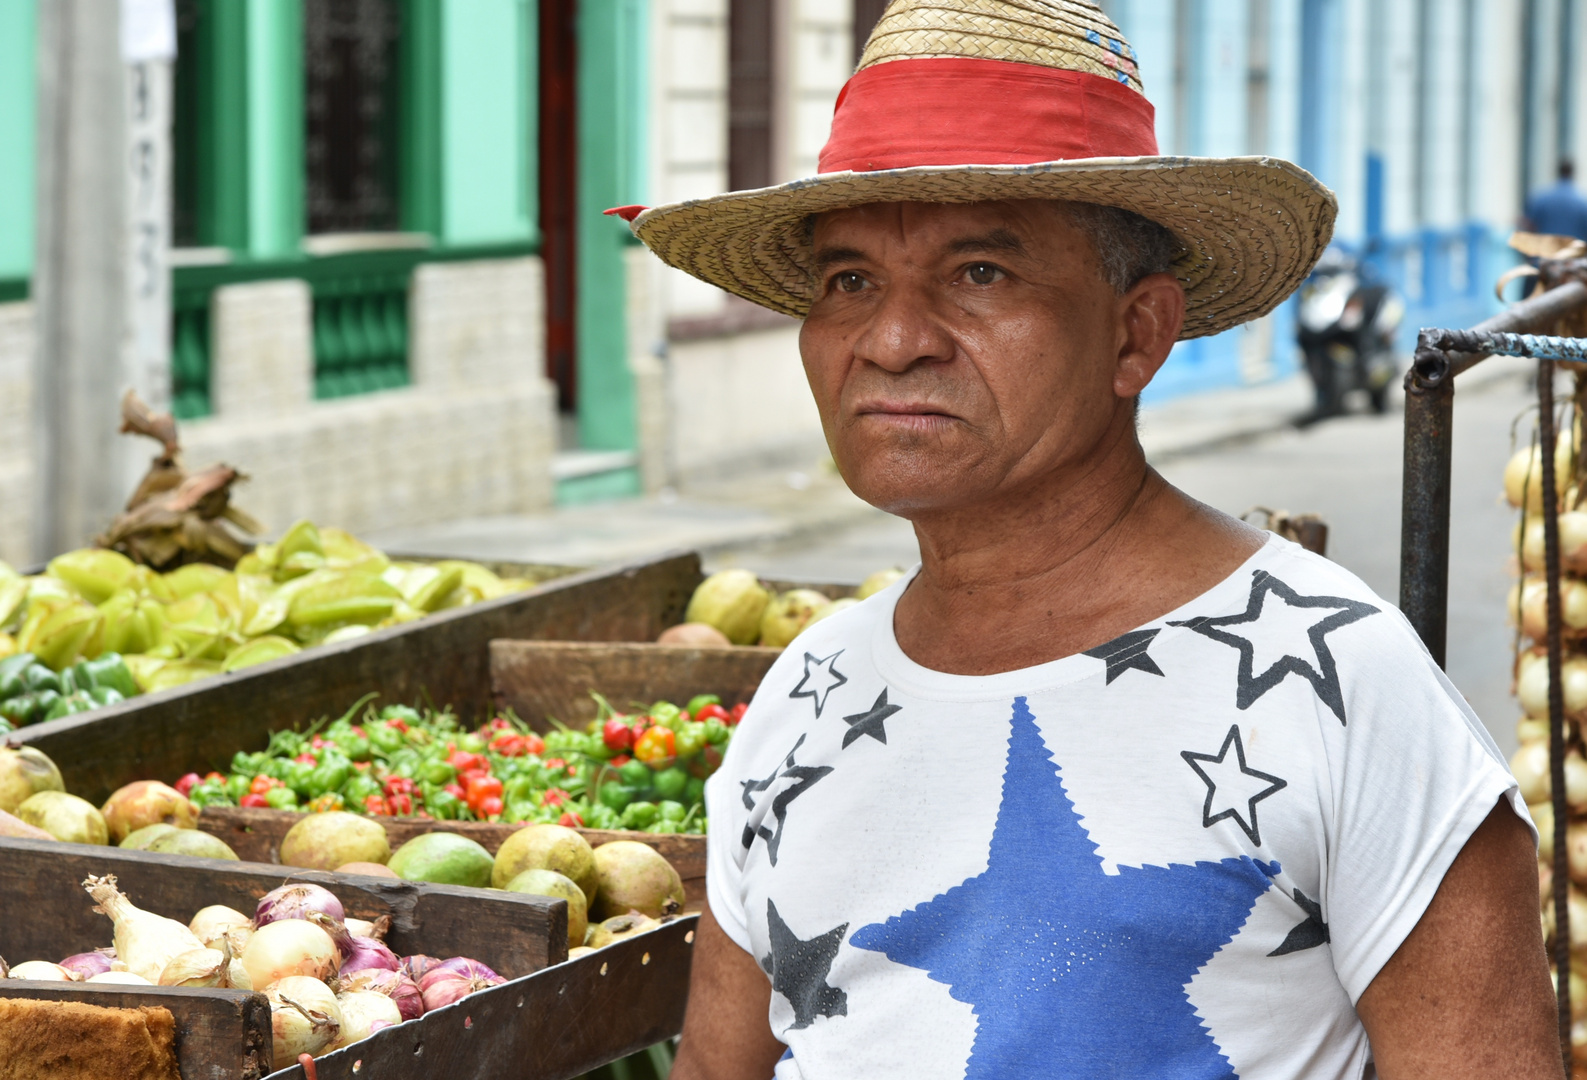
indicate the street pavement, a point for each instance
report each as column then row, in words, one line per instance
column 1347, row 470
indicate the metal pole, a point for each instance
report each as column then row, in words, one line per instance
column 1424, row 512
column 1556, row 703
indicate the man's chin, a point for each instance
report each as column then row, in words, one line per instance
column 910, row 485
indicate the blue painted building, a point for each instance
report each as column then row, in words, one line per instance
column 1430, row 119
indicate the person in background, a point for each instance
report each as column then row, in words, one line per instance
column 1560, row 209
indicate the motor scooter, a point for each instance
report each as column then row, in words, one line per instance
column 1347, row 324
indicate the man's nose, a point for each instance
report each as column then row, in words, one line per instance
column 903, row 330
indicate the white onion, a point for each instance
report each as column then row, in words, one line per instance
column 1575, row 780
column 201, row 967
column 145, row 942
column 1534, row 605
column 304, row 1017
column 1531, row 729
column 120, row 977
column 43, row 971
column 365, row 1012
column 1543, row 817
column 286, row 948
column 1529, row 765
column 212, row 923
column 1531, row 684
column 1523, row 473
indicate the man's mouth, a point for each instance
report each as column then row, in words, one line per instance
column 913, row 416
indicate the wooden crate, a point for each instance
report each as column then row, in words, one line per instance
column 544, row 681
column 46, row 915
column 255, row 834
column 445, row 658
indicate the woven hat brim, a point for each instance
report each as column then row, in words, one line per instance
column 1251, row 229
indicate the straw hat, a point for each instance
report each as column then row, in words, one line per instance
column 960, row 101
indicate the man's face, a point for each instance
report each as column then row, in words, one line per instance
column 960, row 352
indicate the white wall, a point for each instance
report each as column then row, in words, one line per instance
column 819, row 59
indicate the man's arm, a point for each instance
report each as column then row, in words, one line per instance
column 725, row 1032
column 1467, row 994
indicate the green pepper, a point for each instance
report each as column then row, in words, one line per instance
column 249, row 765
column 18, row 710
column 639, row 815
column 210, row 793
column 405, row 713
column 286, row 744
column 386, row 740
column 106, row 695
column 445, row 806
column 300, row 778
column 669, row 783
column 108, row 669
column 700, row 701
column 281, row 798
column 38, row 677
column 716, row 732
column 616, row 796
column 69, row 705
column 665, row 828
column 671, row 811
column 435, row 771
column 694, row 792
column 276, row 768
column 666, row 714
column 11, row 685
column 405, row 762
column 350, row 743
column 330, row 774
column 237, row 785
column 688, row 740
column 16, row 665
column 358, row 787
column 635, row 773
column 472, row 743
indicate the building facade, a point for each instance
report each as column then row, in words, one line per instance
column 395, row 298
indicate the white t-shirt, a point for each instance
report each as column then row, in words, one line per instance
column 1184, row 853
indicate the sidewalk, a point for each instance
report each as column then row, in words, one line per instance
column 778, row 507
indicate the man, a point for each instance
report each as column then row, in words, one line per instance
column 1112, row 785
column 1559, row 210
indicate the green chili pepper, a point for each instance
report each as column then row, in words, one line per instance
column 666, row 714
column 670, row 783
column 404, row 713
column 688, row 740
column 601, row 816
column 108, row 669
column 358, row 787
column 38, row 677
column 665, row 828
column 694, row 792
column 210, row 793
column 716, row 732
column 281, row 798
column 671, row 811
column 330, row 774
column 106, row 695
column 69, row 705
column 386, row 740
column 16, row 665
column 237, row 785
column 247, row 764
column 472, row 743
column 445, row 806
column 700, row 701
column 435, row 771
column 639, row 815
column 616, row 796
column 350, row 743
column 299, row 777
column 635, row 774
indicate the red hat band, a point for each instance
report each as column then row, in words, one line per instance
column 952, row 111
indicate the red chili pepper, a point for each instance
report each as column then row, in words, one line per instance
column 463, row 761
column 656, row 748
column 400, row 725
column 213, row 777
column 555, row 762
column 501, row 723
column 318, row 743
column 400, row 804
column 480, row 788
column 617, row 735
column 263, row 783
column 490, row 807
column 359, row 731
column 716, row 712
column 534, row 744
column 620, row 760
column 398, row 785
column 737, row 713
column 374, row 804
column 251, row 799
column 187, row 783
column 509, row 744
column 571, row 820
column 306, row 758
column 456, row 790
column 554, row 797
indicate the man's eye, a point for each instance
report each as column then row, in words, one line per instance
column 983, row 273
column 848, row 281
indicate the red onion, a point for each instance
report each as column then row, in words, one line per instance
column 87, row 964
column 295, row 902
column 358, row 953
column 445, row 985
column 394, row 984
column 417, row 966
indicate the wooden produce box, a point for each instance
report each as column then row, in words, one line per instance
column 45, row 914
column 444, row 657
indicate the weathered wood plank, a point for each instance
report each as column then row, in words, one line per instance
column 553, row 1025
column 46, row 915
column 255, row 834
column 220, row 1034
column 444, row 658
column 544, row 681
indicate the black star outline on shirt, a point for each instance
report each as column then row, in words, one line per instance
column 870, row 722
column 799, row 970
column 1128, row 652
column 1323, row 676
column 828, row 676
column 1246, row 821
column 1308, row 934
column 804, row 775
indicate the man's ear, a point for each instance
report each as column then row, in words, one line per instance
column 1151, row 315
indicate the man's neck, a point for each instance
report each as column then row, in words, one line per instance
column 1063, row 565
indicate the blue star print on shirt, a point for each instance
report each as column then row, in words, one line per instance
column 1071, row 971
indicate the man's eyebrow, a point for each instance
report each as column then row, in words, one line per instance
column 827, row 257
column 996, row 240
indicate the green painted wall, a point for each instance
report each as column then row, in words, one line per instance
column 17, row 42
column 612, row 95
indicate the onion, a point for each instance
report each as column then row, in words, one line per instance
column 120, row 977
column 362, row 928
column 44, row 971
column 1575, row 780
column 304, row 1018
column 1523, row 473
column 393, row 984
column 145, row 942
column 1576, row 851
column 444, row 985
column 86, row 964
column 291, row 947
column 417, row 966
column 210, row 924
column 1531, row 684
column 201, row 967
column 1533, row 601
column 1543, row 817
column 1529, row 766
column 365, row 1012
column 357, row 953
column 295, row 902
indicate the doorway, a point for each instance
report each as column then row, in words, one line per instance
column 559, row 154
